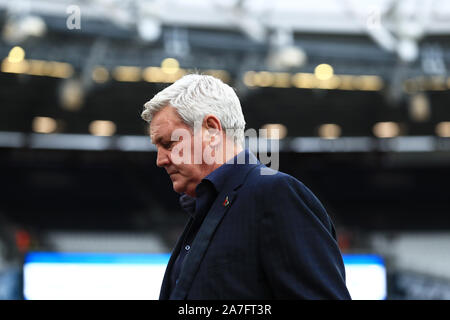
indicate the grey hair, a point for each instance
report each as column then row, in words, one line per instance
column 194, row 96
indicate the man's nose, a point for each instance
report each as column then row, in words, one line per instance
column 162, row 158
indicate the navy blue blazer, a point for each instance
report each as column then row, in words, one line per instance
column 272, row 239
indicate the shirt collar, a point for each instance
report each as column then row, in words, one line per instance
column 187, row 203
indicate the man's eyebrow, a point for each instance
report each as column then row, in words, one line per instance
column 156, row 140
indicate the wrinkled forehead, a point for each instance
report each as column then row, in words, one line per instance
column 159, row 129
column 162, row 119
column 154, row 132
column 163, row 128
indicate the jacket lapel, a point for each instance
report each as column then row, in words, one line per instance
column 192, row 261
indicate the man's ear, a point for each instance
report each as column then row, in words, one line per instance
column 210, row 121
column 214, row 129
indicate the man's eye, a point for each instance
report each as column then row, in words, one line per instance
column 167, row 145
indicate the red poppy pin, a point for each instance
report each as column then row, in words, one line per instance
column 226, row 202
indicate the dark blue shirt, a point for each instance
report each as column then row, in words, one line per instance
column 206, row 192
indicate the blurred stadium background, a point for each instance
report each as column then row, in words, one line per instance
column 358, row 89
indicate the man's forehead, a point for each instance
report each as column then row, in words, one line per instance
column 162, row 128
column 155, row 132
column 164, row 122
column 160, row 120
column 158, row 125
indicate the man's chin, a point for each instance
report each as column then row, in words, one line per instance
column 177, row 187
column 180, row 188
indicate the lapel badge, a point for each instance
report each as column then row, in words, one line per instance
column 226, row 202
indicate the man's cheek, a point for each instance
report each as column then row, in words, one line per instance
column 180, row 154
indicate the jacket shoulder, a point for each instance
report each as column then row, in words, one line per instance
column 267, row 183
column 265, row 177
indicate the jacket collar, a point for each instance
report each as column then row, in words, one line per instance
column 231, row 174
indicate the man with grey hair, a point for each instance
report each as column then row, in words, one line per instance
column 253, row 233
